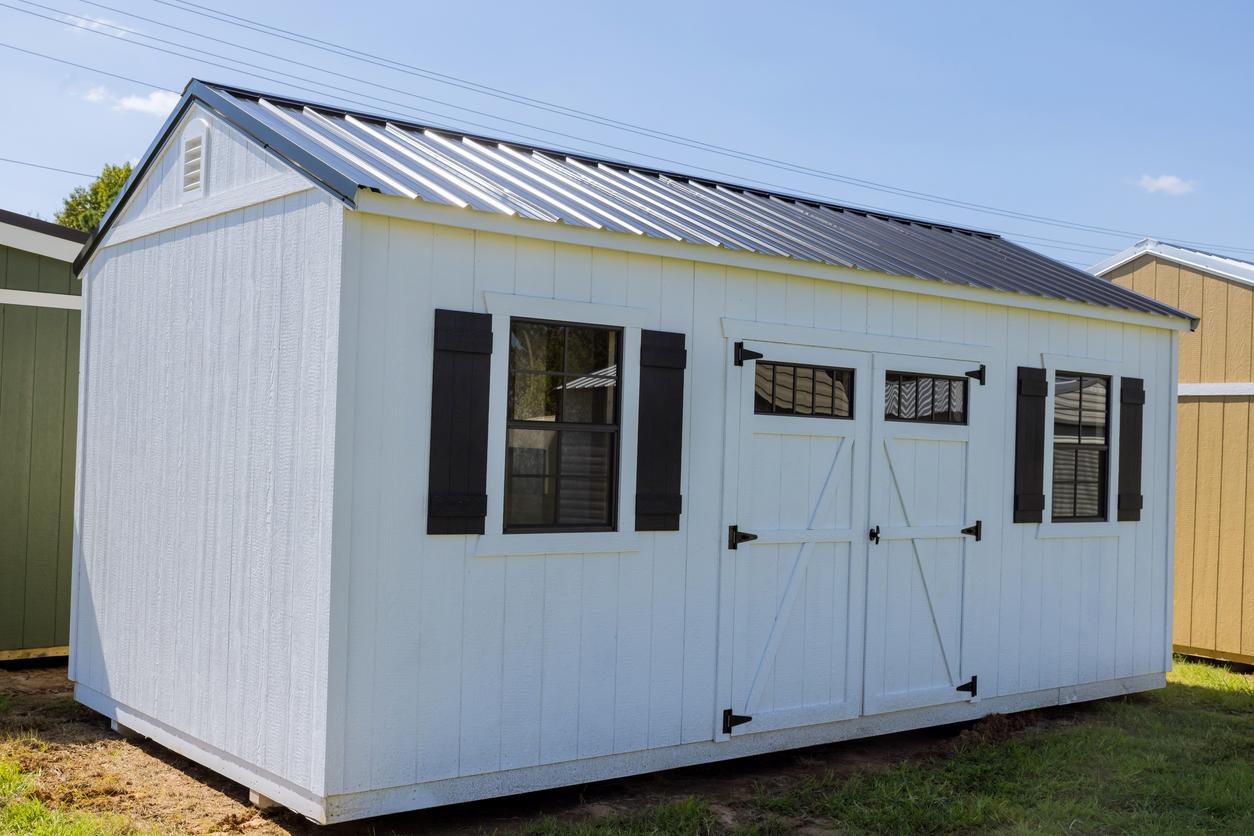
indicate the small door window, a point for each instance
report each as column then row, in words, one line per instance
column 929, row 399
column 810, row 391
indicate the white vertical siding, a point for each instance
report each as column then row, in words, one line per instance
column 458, row 665
column 209, row 380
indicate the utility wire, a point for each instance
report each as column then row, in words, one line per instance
column 310, row 41
column 45, row 167
column 87, row 68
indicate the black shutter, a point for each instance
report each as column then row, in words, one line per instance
column 1131, row 409
column 457, row 498
column 1029, row 504
column 660, row 434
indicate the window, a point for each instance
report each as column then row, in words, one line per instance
column 925, row 398
column 1081, row 446
column 814, row 391
column 561, row 451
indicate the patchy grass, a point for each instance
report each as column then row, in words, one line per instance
column 1171, row 761
column 21, row 812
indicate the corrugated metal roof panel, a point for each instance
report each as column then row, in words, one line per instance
column 1219, row 265
column 488, row 175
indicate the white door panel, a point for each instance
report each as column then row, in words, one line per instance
column 920, row 501
column 793, row 597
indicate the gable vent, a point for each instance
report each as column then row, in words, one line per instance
column 193, row 163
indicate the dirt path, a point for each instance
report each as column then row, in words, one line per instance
column 80, row 764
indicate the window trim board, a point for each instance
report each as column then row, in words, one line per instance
column 504, row 307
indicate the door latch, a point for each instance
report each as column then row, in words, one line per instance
column 735, row 536
column 976, row 531
column 731, row 719
column 874, row 535
column 742, row 354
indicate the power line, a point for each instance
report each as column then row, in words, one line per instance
column 1067, row 245
column 329, row 46
column 46, row 167
column 87, row 68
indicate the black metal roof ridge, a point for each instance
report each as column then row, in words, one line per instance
column 41, row 226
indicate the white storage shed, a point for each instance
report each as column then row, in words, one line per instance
column 418, row 467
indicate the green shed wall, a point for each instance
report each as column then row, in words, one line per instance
column 38, row 424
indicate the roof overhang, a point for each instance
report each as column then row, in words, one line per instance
column 197, row 92
column 40, row 237
column 1228, row 268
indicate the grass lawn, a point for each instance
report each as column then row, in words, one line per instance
column 1180, row 760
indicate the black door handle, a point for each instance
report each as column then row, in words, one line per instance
column 874, row 535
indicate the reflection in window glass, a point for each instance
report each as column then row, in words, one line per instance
column 562, row 439
column 1081, row 450
column 927, row 398
column 812, row 391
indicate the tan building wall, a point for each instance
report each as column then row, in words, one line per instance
column 1214, row 572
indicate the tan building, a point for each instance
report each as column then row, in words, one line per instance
column 1214, row 572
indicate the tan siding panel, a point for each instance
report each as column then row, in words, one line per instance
column 1186, row 505
column 1191, row 343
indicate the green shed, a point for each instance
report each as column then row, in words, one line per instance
column 40, row 303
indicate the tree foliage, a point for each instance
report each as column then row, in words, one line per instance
column 86, row 205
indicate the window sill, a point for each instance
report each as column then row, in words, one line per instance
column 1077, row 530
column 575, row 542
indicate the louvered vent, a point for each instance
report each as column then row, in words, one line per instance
column 193, row 163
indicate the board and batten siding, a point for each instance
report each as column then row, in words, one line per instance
column 38, row 408
column 446, row 664
column 206, row 456
column 1214, row 571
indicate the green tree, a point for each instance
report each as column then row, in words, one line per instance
column 86, row 205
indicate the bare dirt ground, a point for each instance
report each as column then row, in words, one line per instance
column 80, row 764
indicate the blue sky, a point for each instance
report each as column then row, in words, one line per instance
column 1129, row 116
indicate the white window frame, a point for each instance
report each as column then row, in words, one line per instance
column 1110, row 527
column 504, row 307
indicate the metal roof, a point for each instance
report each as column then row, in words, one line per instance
column 344, row 151
column 1218, row 265
column 41, row 226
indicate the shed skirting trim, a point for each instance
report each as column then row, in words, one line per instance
column 583, row 770
column 1194, row 390
column 297, row 799
column 36, row 299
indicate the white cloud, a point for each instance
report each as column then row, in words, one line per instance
column 158, row 103
column 1167, row 184
column 96, row 24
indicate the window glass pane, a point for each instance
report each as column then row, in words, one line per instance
column 803, row 393
column 536, row 346
column 587, row 467
column 1064, row 500
column 921, row 397
column 591, row 350
column 530, row 483
column 788, row 389
column 1067, row 408
column 763, row 383
column 1087, row 502
column 1093, row 399
column 534, row 397
column 589, row 399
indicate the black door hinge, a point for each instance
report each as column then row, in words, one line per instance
column 971, row 687
column 977, row 374
column 735, row 536
column 874, row 535
column 743, row 354
column 732, row 719
column 976, row 531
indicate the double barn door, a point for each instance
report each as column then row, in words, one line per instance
column 850, row 523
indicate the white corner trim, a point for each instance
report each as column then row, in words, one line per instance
column 203, row 208
column 536, row 307
column 39, row 243
column 558, row 543
column 1193, row 390
column 36, row 299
